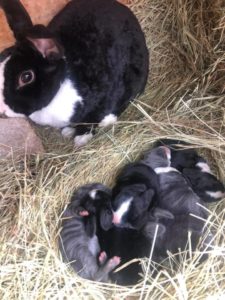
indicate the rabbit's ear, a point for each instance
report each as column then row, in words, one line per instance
column 42, row 39
column 48, row 47
column 17, row 17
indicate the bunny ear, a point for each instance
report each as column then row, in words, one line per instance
column 43, row 40
column 48, row 47
column 17, row 17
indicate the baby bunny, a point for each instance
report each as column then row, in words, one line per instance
column 134, row 192
column 203, row 182
column 83, row 68
column 78, row 241
column 196, row 171
column 128, row 244
column 175, row 233
column 175, row 194
column 180, row 157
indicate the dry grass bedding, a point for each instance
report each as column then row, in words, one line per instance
column 184, row 99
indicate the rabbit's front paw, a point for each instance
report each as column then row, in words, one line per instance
column 82, row 140
column 108, row 120
column 68, row 132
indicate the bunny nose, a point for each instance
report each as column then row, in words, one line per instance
column 167, row 151
column 116, row 219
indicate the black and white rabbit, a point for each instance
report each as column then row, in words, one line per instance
column 84, row 67
column 203, row 182
column 182, row 156
column 175, row 193
column 195, row 169
column 133, row 194
column 78, row 241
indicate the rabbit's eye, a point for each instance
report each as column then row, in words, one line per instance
column 26, row 77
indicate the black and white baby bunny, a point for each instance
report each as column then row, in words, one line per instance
column 182, row 155
column 84, row 67
column 203, row 182
column 196, row 170
column 78, row 242
column 135, row 191
column 175, row 193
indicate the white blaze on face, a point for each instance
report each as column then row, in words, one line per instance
column 93, row 193
column 4, row 108
column 216, row 195
column 204, row 167
column 60, row 110
column 161, row 170
column 118, row 214
column 2, row 82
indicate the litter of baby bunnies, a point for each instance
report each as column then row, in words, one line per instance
column 184, row 100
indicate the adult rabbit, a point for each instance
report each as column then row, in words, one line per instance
column 84, row 67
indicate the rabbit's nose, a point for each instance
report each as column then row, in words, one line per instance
column 116, row 219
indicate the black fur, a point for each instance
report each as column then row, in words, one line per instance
column 127, row 239
column 128, row 244
column 17, row 17
column 175, row 194
column 186, row 160
column 5, row 53
column 176, row 233
column 139, row 182
column 97, row 44
column 180, row 157
column 203, row 184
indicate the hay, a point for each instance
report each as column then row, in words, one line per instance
column 184, row 99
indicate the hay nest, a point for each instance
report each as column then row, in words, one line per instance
column 184, row 99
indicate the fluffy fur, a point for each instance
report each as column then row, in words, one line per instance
column 97, row 45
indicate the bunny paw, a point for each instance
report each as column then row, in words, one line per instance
column 114, row 261
column 68, row 132
column 102, row 257
column 82, row 140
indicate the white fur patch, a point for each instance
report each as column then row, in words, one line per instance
column 59, row 111
column 118, row 214
column 92, row 194
column 2, row 81
column 108, row 120
column 68, row 132
column 82, row 140
column 204, row 167
column 165, row 170
column 4, row 108
column 216, row 195
column 11, row 114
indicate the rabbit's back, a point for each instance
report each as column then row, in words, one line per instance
column 105, row 51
